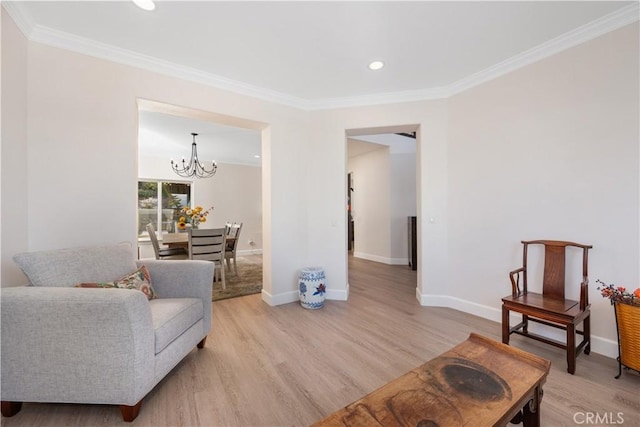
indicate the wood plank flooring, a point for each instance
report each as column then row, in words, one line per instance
column 287, row 366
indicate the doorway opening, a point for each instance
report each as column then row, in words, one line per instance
column 350, row 228
column 382, row 195
column 235, row 194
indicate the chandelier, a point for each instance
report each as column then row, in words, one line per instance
column 194, row 167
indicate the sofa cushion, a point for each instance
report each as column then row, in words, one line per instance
column 139, row 280
column 172, row 316
column 68, row 267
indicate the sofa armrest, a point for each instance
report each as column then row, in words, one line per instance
column 183, row 279
column 76, row 345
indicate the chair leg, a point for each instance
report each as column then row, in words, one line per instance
column 129, row 413
column 9, row 409
column 235, row 266
column 586, row 324
column 505, row 325
column 222, row 279
column 525, row 324
column 571, row 349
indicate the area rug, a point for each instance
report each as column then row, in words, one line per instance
column 247, row 282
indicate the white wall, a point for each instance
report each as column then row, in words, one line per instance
column 82, row 158
column 235, row 192
column 371, row 205
column 403, row 204
column 384, row 196
column 13, row 231
column 327, row 220
column 548, row 152
column 560, row 133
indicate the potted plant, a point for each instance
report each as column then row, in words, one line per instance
column 626, row 306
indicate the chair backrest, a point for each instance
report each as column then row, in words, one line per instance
column 207, row 244
column 234, row 231
column 154, row 239
column 553, row 282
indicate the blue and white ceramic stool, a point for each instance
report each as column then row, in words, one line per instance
column 312, row 287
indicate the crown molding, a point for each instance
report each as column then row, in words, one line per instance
column 379, row 99
column 90, row 47
column 582, row 34
column 22, row 19
column 49, row 36
column 85, row 46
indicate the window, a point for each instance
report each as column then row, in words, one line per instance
column 159, row 203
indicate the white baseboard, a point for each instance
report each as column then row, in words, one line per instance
column 291, row 296
column 384, row 260
column 599, row 345
column 249, row 252
column 339, row 295
column 279, row 299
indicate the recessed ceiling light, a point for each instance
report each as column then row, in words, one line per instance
column 145, row 4
column 257, row 156
column 376, row 65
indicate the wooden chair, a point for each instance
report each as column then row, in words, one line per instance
column 164, row 253
column 208, row 244
column 550, row 308
column 232, row 246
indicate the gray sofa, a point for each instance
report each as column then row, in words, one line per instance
column 65, row 344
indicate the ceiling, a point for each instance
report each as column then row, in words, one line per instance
column 315, row 54
column 398, row 144
column 168, row 136
column 312, row 55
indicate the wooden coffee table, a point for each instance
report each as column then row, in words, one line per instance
column 480, row 382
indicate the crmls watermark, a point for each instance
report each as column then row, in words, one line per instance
column 598, row 418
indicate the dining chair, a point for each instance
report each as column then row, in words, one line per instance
column 164, row 253
column 208, row 244
column 550, row 307
column 232, row 245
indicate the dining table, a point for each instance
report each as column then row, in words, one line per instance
column 181, row 240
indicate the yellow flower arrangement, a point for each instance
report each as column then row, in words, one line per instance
column 194, row 217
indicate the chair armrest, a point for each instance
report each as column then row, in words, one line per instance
column 183, row 279
column 515, row 282
column 584, row 293
column 76, row 345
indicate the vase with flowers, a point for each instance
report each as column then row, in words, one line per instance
column 626, row 306
column 192, row 217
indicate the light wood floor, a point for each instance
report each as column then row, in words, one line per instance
column 287, row 366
